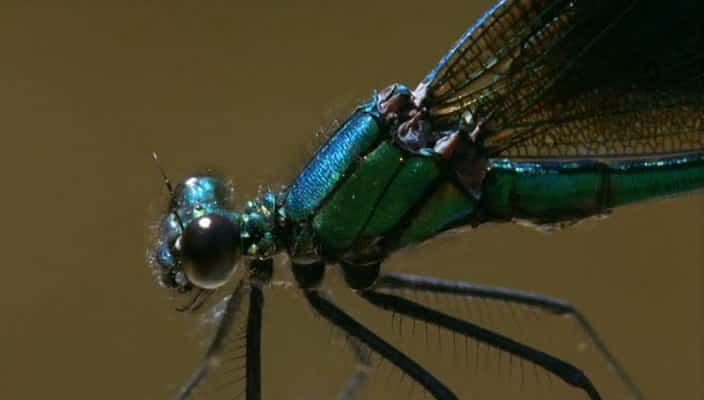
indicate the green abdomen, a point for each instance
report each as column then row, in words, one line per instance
column 547, row 192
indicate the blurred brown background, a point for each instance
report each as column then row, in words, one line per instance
column 88, row 91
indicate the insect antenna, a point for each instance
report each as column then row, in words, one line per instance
column 164, row 177
column 169, row 188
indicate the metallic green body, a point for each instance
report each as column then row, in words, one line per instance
column 339, row 222
column 365, row 194
column 385, row 198
column 539, row 80
column 380, row 199
column 546, row 192
column 413, row 181
column 445, row 207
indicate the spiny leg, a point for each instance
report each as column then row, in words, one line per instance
column 260, row 273
column 215, row 349
column 539, row 301
column 353, row 328
column 309, row 276
column 563, row 370
column 359, row 378
column 254, row 341
column 197, row 301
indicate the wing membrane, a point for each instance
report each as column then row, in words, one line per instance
column 485, row 62
column 578, row 78
column 608, row 123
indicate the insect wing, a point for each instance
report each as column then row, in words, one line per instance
column 577, row 79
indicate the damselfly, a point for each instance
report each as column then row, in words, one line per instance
column 544, row 111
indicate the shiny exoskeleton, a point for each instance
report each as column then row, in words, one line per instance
column 545, row 111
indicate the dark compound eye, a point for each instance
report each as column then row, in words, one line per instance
column 210, row 248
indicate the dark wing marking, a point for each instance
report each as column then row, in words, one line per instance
column 578, row 78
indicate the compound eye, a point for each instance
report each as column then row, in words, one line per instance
column 210, row 248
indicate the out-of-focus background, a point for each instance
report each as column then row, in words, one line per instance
column 88, row 91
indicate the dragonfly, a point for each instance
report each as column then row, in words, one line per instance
column 544, row 112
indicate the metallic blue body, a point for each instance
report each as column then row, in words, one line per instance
column 322, row 174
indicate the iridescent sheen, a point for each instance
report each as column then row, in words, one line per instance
column 545, row 111
column 329, row 165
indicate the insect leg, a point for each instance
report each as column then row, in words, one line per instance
column 254, row 342
column 339, row 318
column 539, row 301
column 197, row 301
column 212, row 356
column 565, row 371
column 361, row 374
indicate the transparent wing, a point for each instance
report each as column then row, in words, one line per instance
column 577, row 78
